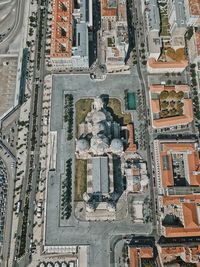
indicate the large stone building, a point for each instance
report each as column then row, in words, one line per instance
column 70, row 34
column 152, row 17
column 114, row 34
column 177, row 164
column 110, row 152
column 180, row 215
column 171, row 106
column 166, row 27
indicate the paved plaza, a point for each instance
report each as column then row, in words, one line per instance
column 74, row 231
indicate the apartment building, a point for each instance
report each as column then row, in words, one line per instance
column 70, row 34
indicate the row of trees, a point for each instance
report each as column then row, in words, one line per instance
column 66, row 196
column 68, row 114
column 22, row 247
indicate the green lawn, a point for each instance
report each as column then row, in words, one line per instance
column 83, row 106
column 80, row 179
column 164, row 25
column 115, row 105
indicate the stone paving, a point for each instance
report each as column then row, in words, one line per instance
column 74, row 232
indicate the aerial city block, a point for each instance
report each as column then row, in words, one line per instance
column 100, row 133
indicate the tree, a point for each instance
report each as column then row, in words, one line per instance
column 194, row 82
column 189, row 33
column 169, row 82
column 192, row 66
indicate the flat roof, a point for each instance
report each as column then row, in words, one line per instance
column 154, row 15
column 82, row 39
column 100, row 174
column 180, row 12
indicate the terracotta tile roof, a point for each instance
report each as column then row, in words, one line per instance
column 158, row 88
column 155, row 105
column 189, row 254
column 136, row 253
column 167, row 200
column 172, row 250
column 167, row 174
column 190, row 215
column 188, row 204
column 170, row 253
column 197, row 42
column 166, row 65
column 193, row 162
column 176, row 120
column 106, row 11
column 178, row 232
column 135, row 172
column 131, row 146
column 61, row 44
column 134, row 259
column 194, row 7
column 146, row 252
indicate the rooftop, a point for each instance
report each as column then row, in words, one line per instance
column 180, row 12
column 154, row 15
column 152, row 63
column 189, row 254
column 131, row 145
column 61, row 38
column 170, row 105
column 184, row 208
column 114, row 45
column 100, row 174
column 179, row 164
column 197, row 42
column 108, row 8
column 139, row 253
column 194, row 7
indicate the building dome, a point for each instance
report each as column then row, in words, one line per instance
column 99, row 143
column 136, row 180
column 98, row 116
column 82, row 145
column 116, row 145
column 100, row 127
